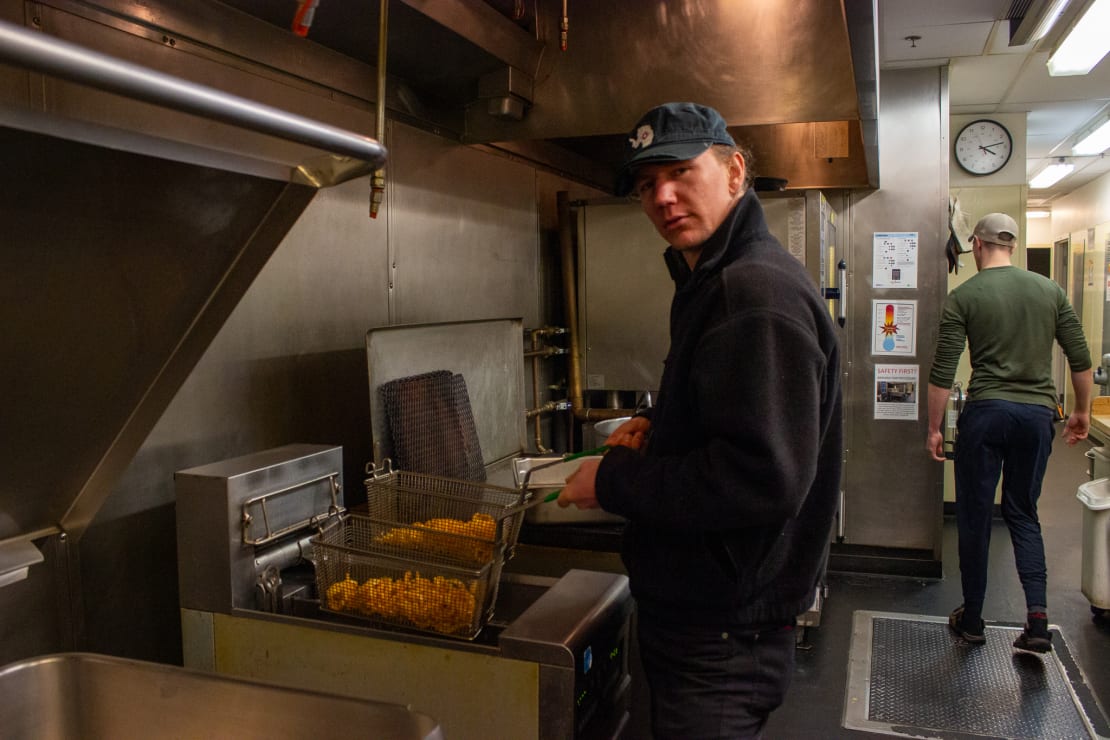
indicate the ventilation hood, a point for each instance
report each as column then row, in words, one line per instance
column 138, row 208
column 796, row 81
column 171, row 213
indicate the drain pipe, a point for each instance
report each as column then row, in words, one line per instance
column 570, row 305
column 377, row 182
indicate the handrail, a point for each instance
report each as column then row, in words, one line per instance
column 59, row 58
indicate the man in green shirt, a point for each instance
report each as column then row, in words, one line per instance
column 1009, row 318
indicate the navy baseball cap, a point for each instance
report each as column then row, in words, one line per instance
column 670, row 133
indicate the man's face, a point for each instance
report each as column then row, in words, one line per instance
column 688, row 200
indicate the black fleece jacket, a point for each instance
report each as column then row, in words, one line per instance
column 731, row 505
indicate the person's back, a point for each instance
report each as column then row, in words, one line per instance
column 1012, row 318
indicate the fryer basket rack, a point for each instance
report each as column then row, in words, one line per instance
column 409, row 498
column 398, row 575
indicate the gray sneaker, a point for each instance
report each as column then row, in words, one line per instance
column 1035, row 637
column 972, row 633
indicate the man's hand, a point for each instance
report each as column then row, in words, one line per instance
column 934, row 445
column 1076, row 429
column 579, row 489
column 631, row 433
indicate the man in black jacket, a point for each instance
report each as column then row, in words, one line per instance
column 730, row 503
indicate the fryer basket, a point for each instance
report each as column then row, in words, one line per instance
column 398, row 575
column 409, row 498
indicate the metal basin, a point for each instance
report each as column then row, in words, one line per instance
column 603, row 429
column 86, row 695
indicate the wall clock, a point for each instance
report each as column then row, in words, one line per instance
column 983, row 147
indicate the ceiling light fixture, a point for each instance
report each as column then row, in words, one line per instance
column 1038, row 19
column 1094, row 138
column 1085, row 44
column 1051, row 174
column 1038, row 214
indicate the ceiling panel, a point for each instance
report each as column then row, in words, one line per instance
column 937, row 41
column 1035, row 85
column 917, row 13
column 982, row 80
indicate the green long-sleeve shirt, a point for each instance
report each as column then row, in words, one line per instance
column 1009, row 318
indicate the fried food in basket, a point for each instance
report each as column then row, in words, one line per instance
column 474, row 546
column 441, row 604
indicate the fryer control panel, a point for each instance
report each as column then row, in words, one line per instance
column 602, row 680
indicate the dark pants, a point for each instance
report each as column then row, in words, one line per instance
column 1014, row 440
column 709, row 683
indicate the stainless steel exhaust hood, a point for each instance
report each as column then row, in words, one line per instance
column 797, row 81
column 131, row 231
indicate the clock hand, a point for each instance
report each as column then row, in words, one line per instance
column 987, row 147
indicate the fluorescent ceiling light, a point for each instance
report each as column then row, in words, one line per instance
column 1038, row 214
column 1094, row 141
column 1085, row 45
column 1051, row 175
column 1049, row 20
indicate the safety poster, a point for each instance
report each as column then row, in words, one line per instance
column 893, row 327
column 896, row 391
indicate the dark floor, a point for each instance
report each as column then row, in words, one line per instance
column 815, row 704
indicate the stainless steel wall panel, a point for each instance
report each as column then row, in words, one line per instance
column 463, row 232
column 893, row 489
column 624, row 298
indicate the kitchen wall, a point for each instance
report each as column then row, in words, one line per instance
column 464, row 234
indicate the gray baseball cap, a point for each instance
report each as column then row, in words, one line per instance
column 997, row 228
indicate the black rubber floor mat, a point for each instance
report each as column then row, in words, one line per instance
column 910, row 676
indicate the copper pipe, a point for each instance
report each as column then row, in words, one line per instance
column 377, row 182
column 570, row 301
column 536, row 390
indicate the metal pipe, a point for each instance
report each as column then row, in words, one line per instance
column 535, row 353
column 377, row 182
column 75, row 63
column 570, row 301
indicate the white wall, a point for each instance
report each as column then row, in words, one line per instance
column 1082, row 209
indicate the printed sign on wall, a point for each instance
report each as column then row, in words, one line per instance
column 896, row 392
column 895, row 259
column 893, row 327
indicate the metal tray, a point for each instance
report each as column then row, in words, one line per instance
column 551, row 479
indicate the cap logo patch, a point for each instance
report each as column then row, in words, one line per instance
column 644, row 136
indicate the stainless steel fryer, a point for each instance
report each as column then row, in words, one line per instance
column 554, row 652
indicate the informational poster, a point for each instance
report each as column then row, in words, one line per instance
column 893, row 327
column 896, row 389
column 895, row 259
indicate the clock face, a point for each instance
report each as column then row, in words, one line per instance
column 983, row 147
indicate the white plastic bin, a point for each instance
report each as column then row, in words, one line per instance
column 1095, row 496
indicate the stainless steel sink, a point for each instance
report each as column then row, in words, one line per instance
column 85, row 695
